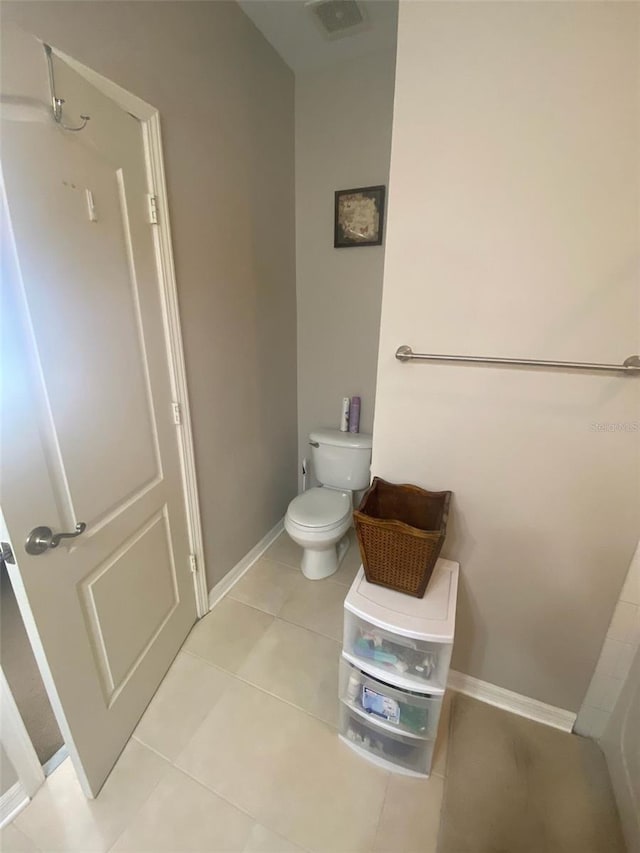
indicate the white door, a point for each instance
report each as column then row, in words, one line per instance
column 88, row 434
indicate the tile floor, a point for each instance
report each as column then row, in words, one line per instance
column 238, row 749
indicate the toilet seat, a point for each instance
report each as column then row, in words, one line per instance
column 320, row 509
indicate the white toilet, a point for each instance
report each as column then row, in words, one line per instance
column 319, row 519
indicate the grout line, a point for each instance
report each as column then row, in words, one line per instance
column 311, row 630
column 262, row 690
column 252, row 817
column 145, row 799
column 151, row 748
column 267, row 613
column 384, row 802
column 237, row 601
column 215, row 793
column 275, row 619
column 289, row 702
column 25, row 835
column 24, row 832
column 265, row 556
column 171, row 764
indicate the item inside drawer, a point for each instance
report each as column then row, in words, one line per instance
column 413, row 713
column 400, row 653
column 408, row 716
column 414, row 755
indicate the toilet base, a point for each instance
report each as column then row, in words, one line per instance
column 317, row 565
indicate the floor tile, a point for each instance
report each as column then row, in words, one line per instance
column 183, row 700
column 288, row 770
column 262, row 840
column 410, row 816
column 544, row 789
column 181, row 815
column 299, row 666
column 61, row 818
column 317, row 605
column 14, row 841
column 227, row 634
column 267, row 585
column 285, row 550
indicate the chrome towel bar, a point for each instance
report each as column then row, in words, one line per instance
column 630, row 365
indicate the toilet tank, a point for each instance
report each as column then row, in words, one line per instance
column 341, row 459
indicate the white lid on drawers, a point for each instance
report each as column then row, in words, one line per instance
column 431, row 618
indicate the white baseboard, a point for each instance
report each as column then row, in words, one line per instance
column 12, row 802
column 524, row 706
column 233, row 576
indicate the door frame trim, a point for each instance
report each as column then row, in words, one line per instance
column 177, row 364
column 149, row 118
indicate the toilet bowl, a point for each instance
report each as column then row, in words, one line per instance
column 318, row 520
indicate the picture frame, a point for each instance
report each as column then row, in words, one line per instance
column 358, row 217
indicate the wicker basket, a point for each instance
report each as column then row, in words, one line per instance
column 401, row 529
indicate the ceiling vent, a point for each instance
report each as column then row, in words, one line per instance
column 338, row 18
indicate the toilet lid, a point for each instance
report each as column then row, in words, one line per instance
column 320, row 507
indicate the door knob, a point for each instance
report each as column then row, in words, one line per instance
column 42, row 538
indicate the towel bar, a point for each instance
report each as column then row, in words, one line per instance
column 630, row 365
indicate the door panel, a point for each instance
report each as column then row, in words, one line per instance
column 88, row 431
column 120, row 631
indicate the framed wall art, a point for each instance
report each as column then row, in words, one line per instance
column 359, row 217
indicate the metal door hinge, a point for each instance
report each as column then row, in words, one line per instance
column 177, row 413
column 193, row 563
column 152, row 201
column 91, row 206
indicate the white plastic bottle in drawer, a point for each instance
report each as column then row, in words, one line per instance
column 409, row 754
column 411, row 714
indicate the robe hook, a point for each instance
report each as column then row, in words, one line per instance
column 56, row 102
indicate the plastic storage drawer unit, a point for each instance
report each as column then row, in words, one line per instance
column 393, row 673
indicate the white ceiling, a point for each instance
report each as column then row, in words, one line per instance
column 292, row 30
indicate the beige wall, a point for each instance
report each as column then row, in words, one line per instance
column 513, row 231
column 226, row 102
column 343, row 140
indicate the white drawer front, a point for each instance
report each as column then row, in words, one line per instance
column 397, row 711
column 406, row 753
column 402, row 661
